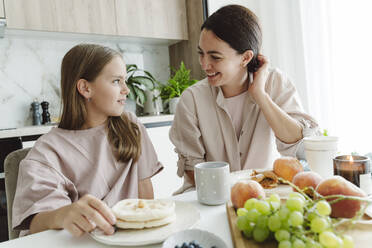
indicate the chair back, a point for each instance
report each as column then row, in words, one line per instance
column 11, row 165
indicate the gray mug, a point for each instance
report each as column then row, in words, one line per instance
column 212, row 181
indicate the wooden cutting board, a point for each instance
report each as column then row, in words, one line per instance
column 361, row 233
column 237, row 236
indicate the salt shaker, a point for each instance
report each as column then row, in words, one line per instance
column 36, row 118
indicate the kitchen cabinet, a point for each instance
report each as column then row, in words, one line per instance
column 160, row 19
column 75, row 16
column 2, row 12
column 166, row 181
column 164, row 19
column 7, row 146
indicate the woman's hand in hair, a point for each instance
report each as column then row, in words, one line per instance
column 286, row 128
column 257, row 86
column 78, row 218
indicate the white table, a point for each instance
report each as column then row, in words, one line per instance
column 212, row 219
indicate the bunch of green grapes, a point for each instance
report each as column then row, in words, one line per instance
column 297, row 223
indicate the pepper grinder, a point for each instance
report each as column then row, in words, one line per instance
column 36, row 118
column 45, row 114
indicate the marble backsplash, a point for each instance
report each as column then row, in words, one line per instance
column 30, row 69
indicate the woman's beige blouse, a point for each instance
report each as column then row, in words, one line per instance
column 202, row 129
column 64, row 165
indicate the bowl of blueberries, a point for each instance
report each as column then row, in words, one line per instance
column 194, row 238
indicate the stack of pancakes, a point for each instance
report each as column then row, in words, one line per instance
column 140, row 213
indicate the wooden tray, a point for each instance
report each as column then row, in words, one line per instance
column 237, row 236
column 361, row 233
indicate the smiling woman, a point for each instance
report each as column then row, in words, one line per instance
column 244, row 112
column 98, row 155
column 325, row 48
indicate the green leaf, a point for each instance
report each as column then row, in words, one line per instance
column 141, row 98
column 139, row 83
column 131, row 94
column 149, row 75
column 325, row 132
column 146, row 81
column 177, row 83
column 154, row 81
column 131, row 67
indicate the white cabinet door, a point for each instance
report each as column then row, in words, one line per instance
column 2, row 13
column 28, row 144
column 167, row 181
column 164, row 19
column 74, row 16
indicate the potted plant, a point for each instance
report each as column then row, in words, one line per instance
column 172, row 90
column 141, row 84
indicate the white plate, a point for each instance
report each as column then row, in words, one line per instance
column 201, row 237
column 369, row 209
column 186, row 217
column 282, row 190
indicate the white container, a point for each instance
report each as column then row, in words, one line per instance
column 202, row 237
column 320, row 151
column 153, row 104
column 212, row 181
column 173, row 105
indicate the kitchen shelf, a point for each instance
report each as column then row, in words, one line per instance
column 30, row 132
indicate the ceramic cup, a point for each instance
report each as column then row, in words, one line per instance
column 212, row 181
column 320, row 151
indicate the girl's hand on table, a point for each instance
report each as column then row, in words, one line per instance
column 85, row 215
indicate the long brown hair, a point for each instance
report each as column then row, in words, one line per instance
column 87, row 61
column 240, row 28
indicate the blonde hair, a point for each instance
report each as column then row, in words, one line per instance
column 87, row 61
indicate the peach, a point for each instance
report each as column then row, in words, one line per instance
column 287, row 167
column 244, row 190
column 307, row 179
column 338, row 185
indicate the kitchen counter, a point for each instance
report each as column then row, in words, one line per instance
column 148, row 121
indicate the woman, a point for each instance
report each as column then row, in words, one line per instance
column 243, row 112
column 97, row 156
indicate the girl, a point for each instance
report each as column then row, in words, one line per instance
column 244, row 112
column 97, row 156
